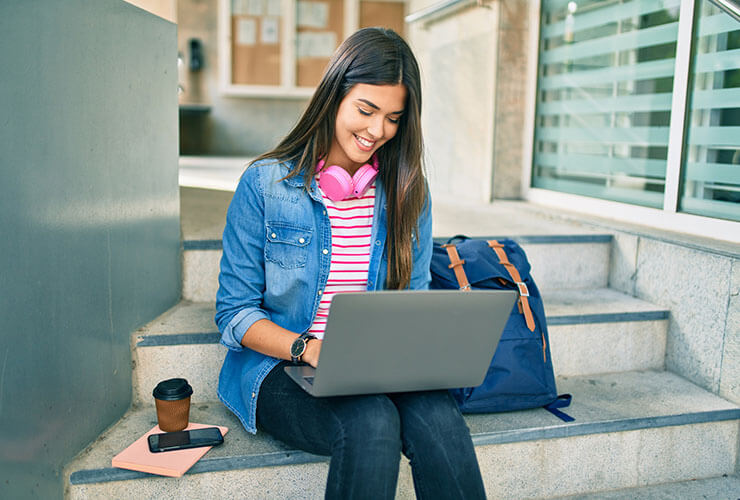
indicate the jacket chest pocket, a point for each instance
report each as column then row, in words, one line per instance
column 287, row 244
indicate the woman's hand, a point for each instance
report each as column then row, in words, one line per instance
column 312, row 352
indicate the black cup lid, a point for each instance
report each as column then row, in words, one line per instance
column 172, row 389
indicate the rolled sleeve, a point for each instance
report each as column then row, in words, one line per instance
column 234, row 331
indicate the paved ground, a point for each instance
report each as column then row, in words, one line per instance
column 207, row 185
column 203, row 215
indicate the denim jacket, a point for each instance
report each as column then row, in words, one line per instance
column 276, row 255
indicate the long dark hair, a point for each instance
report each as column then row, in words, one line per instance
column 374, row 56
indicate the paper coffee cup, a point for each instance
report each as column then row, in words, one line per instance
column 172, row 398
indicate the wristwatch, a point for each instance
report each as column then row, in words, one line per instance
column 299, row 347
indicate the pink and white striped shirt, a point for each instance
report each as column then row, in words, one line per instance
column 351, row 226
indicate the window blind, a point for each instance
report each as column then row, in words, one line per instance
column 605, row 79
column 711, row 173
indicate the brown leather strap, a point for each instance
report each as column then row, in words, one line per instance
column 516, row 277
column 456, row 264
column 523, row 291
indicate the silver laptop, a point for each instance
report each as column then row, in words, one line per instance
column 397, row 341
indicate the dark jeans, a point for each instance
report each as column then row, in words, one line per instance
column 365, row 435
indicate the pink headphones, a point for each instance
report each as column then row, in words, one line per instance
column 337, row 184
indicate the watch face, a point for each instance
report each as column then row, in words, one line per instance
column 297, row 348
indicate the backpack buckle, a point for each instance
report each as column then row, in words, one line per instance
column 523, row 290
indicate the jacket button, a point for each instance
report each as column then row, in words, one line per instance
column 301, row 240
column 377, row 243
column 325, row 251
column 253, row 395
column 320, row 292
column 273, row 235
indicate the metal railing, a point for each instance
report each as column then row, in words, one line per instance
column 729, row 6
column 438, row 9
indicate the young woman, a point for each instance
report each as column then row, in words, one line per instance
column 340, row 205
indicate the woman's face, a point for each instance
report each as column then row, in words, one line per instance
column 367, row 118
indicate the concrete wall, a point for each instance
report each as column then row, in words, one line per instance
column 235, row 126
column 474, row 65
column 458, row 55
column 89, row 218
column 511, row 89
column 701, row 287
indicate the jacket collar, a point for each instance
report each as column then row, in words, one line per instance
column 297, row 181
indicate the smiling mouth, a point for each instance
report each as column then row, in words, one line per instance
column 364, row 143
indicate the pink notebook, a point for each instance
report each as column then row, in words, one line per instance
column 169, row 463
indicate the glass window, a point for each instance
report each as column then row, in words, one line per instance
column 711, row 173
column 255, row 38
column 319, row 31
column 281, row 48
column 604, row 98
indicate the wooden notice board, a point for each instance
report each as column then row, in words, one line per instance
column 385, row 14
column 255, row 49
column 319, row 31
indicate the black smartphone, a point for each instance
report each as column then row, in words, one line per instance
column 180, row 440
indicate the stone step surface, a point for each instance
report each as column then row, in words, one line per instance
column 591, row 331
column 631, row 429
column 576, row 261
column 725, row 487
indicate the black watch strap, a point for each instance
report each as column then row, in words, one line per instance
column 299, row 347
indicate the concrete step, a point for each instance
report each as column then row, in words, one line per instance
column 564, row 254
column 631, row 429
column 576, row 261
column 591, row 331
column 725, row 487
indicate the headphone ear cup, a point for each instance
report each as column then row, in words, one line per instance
column 336, row 183
column 363, row 179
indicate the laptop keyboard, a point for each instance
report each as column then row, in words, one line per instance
column 308, row 379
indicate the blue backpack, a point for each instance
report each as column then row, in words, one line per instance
column 520, row 375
